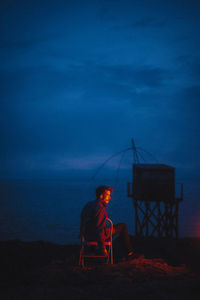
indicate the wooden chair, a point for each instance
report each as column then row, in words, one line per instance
column 85, row 244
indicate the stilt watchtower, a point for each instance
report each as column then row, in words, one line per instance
column 156, row 204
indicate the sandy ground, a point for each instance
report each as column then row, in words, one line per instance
column 41, row 270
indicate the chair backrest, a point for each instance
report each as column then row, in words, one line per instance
column 111, row 228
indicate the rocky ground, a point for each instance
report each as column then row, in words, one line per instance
column 165, row 269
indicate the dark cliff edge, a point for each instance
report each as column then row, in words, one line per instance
column 164, row 269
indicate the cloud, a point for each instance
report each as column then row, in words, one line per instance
column 143, row 23
column 192, row 93
column 144, row 76
column 187, row 103
column 73, row 80
column 149, row 22
column 23, row 45
column 190, row 65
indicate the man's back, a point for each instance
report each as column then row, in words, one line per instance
column 93, row 220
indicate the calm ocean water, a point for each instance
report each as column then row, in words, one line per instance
column 49, row 210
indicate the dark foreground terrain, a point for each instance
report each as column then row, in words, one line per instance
column 165, row 269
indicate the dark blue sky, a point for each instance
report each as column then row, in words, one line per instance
column 79, row 79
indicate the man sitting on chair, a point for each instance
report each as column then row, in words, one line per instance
column 93, row 222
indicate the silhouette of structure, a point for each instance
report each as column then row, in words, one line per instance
column 154, row 194
column 153, row 191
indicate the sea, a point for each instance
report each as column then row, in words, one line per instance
column 49, row 209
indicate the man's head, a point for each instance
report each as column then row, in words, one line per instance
column 103, row 193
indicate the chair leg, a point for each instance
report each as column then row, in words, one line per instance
column 82, row 263
column 81, row 257
column 108, row 259
column 111, row 255
column 79, row 262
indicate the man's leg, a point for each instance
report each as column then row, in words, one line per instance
column 122, row 230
